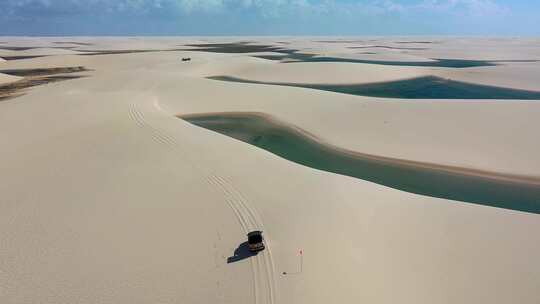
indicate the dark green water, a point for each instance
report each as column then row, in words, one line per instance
column 238, row 48
column 294, row 55
column 429, row 87
column 435, row 182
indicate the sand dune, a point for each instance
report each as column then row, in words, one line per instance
column 444, row 132
column 4, row 78
column 295, row 144
column 37, row 52
column 19, row 79
column 108, row 197
column 519, row 76
column 335, row 73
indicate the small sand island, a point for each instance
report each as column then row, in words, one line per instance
column 379, row 170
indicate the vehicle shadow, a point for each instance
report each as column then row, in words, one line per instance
column 241, row 253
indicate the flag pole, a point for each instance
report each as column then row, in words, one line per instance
column 301, row 254
column 301, row 260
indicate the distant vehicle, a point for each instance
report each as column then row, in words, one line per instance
column 255, row 241
column 186, row 59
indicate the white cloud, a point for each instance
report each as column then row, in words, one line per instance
column 470, row 7
column 265, row 8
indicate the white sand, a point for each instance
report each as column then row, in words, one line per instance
column 38, row 52
column 5, row 78
column 516, row 75
column 444, row 132
column 108, row 198
column 334, row 73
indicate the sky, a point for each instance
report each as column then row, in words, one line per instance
column 269, row 17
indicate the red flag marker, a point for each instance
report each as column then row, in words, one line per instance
column 301, row 266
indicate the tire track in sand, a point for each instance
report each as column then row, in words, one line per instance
column 157, row 135
column 262, row 264
column 249, row 219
